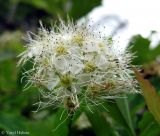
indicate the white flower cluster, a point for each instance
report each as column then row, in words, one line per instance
column 74, row 63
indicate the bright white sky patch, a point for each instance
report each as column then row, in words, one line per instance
column 142, row 16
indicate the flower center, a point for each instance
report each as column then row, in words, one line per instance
column 61, row 50
column 94, row 89
column 45, row 62
column 109, row 85
column 78, row 39
column 89, row 67
column 66, row 80
column 101, row 46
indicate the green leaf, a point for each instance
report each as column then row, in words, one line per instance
column 151, row 97
column 143, row 52
column 41, row 127
column 8, row 75
column 74, row 8
column 99, row 123
column 60, row 124
column 114, row 113
column 82, row 7
column 148, row 126
column 12, row 121
column 10, row 46
column 156, row 51
column 50, row 6
column 124, row 109
column 140, row 46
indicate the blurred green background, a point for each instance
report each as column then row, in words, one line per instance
column 124, row 117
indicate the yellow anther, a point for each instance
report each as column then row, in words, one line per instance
column 89, row 67
column 61, row 50
column 78, row 39
column 101, row 45
column 45, row 62
column 66, row 80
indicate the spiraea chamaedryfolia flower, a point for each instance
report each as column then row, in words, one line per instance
column 74, row 63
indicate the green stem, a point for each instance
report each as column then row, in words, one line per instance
column 70, row 124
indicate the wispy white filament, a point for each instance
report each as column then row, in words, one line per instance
column 74, row 63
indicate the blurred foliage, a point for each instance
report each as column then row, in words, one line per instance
column 25, row 14
column 149, row 80
column 144, row 53
column 150, row 95
column 121, row 117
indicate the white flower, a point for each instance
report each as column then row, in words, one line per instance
column 74, row 63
